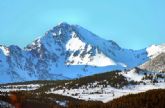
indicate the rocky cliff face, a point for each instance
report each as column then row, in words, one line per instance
column 157, row 64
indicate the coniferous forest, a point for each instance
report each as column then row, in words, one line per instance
column 25, row 99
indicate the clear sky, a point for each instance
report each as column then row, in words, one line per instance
column 132, row 24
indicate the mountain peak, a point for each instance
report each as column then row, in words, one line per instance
column 61, row 24
column 155, row 50
column 69, row 50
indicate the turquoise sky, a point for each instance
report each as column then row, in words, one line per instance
column 131, row 23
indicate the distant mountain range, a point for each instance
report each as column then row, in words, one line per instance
column 70, row 51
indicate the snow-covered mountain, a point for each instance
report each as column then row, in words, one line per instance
column 68, row 51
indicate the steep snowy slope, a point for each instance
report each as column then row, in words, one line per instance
column 3, row 63
column 66, row 51
column 81, row 47
column 155, row 50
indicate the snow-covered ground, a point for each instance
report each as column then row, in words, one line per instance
column 106, row 94
column 100, row 92
column 27, row 87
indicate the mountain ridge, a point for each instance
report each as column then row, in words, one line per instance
column 66, row 51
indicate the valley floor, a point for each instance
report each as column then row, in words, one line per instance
column 106, row 94
column 96, row 91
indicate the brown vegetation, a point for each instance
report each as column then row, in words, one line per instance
column 22, row 99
